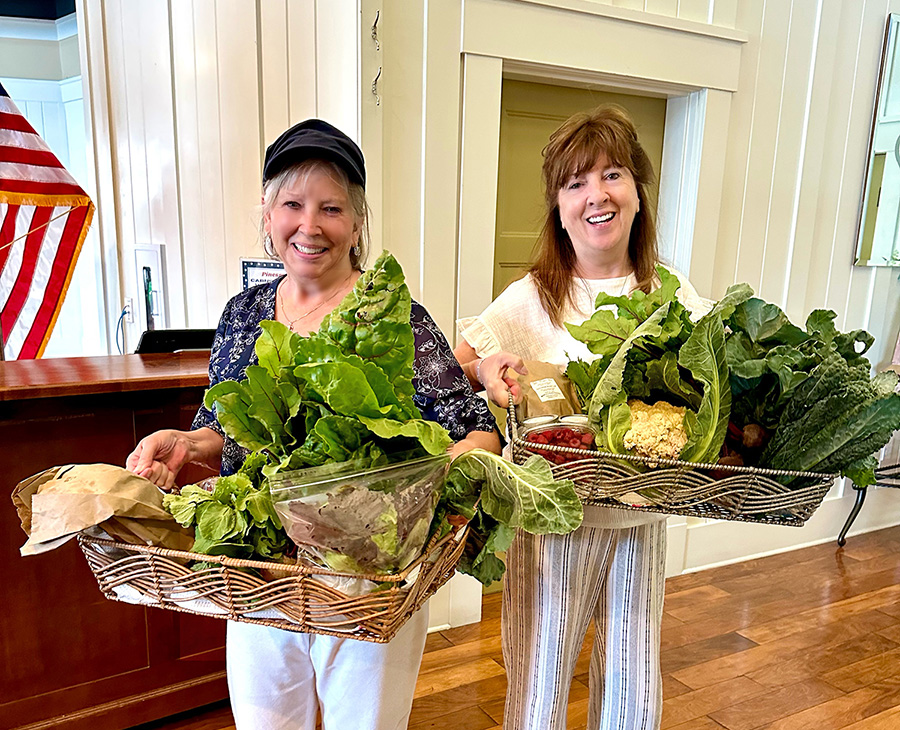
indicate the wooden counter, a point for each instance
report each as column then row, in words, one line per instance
column 73, row 660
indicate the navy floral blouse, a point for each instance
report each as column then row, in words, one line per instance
column 443, row 393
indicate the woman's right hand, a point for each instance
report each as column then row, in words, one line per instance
column 498, row 382
column 160, row 456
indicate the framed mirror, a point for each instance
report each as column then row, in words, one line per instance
column 878, row 232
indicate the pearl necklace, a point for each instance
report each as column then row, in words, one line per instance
column 292, row 322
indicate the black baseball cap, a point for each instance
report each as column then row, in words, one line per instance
column 315, row 139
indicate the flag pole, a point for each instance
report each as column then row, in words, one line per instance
column 2, row 344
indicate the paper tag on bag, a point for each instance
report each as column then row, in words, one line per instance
column 547, row 390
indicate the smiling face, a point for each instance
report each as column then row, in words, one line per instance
column 313, row 226
column 597, row 209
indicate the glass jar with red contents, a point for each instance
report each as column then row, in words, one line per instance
column 578, row 438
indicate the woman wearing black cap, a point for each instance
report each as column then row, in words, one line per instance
column 314, row 220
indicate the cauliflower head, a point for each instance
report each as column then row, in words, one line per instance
column 656, row 431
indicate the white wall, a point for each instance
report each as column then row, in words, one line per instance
column 769, row 145
column 185, row 96
column 773, row 100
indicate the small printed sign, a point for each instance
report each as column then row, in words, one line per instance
column 260, row 271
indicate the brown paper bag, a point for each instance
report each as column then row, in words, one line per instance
column 58, row 503
column 546, row 391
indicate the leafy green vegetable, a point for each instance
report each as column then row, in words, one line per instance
column 651, row 350
column 345, row 394
column 836, row 419
column 235, row 519
column 500, row 497
column 703, row 353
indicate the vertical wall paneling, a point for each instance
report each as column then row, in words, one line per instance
column 734, row 187
column 160, row 169
column 696, row 10
column 441, row 156
column 337, row 64
column 662, row 7
column 202, row 217
column 763, row 145
column 790, row 146
column 98, row 150
column 837, row 181
column 239, row 129
column 403, row 47
column 809, row 239
column 273, row 31
column 301, row 48
column 371, row 109
column 715, row 111
column 124, row 113
column 482, row 83
column 724, row 12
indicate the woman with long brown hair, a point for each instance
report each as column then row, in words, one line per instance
column 599, row 235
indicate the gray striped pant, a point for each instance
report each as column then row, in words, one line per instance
column 555, row 585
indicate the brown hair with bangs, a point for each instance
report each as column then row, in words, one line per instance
column 574, row 149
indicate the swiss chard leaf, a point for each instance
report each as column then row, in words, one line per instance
column 432, row 436
column 373, row 322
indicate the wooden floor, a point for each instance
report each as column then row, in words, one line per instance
column 806, row 640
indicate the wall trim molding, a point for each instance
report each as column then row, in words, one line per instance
column 644, row 18
column 39, row 30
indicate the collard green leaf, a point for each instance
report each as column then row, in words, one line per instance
column 525, row 496
column 735, row 295
column 704, row 355
column 664, row 376
column 765, row 322
column 615, row 422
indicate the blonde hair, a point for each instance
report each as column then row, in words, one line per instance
column 574, row 149
column 299, row 174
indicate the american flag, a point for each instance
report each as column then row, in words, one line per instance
column 44, row 217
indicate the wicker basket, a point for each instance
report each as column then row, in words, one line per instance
column 746, row 494
column 296, row 598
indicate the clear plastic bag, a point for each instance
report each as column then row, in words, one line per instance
column 359, row 520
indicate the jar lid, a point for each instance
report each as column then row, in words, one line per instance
column 538, row 421
column 576, row 420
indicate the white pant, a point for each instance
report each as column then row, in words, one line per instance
column 555, row 585
column 278, row 679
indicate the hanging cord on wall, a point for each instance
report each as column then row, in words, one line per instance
column 121, row 348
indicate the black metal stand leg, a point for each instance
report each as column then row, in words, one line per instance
column 860, row 498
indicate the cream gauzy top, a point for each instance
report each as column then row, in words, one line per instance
column 516, row 322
